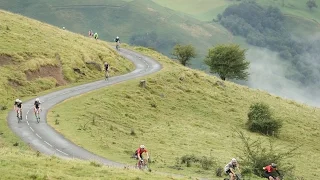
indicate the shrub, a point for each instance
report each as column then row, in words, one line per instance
column 205, row 162
column 256, row 155
column 260, row 120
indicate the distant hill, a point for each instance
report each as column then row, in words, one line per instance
column 126, row 19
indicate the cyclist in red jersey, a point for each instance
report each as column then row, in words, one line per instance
column 139, row 151
column 269, row 172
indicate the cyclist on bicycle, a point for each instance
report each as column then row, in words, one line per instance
column 230, row 168
column 37, row 106
column 106, row 68
column 96, row 36
column 138, row 153
column 17, row 106
column 269, row 172
column 117, row 40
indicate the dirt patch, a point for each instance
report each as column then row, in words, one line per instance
column 47, row 71
column 5, row 59
column 93, row 66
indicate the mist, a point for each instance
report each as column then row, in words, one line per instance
column 269, row 72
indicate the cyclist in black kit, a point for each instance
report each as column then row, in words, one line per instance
column 37, row 106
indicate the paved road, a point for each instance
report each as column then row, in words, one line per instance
column 45, row 139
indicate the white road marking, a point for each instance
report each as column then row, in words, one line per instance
column 31, row 129
column 28, row 123
column 48, row 143
column 26, row 117
column 39, row 136
column 62, row 152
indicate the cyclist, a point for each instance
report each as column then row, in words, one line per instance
column 117, row 40
column 18, row 106
column 106, row 68
column 96, row 36
column 269, row 171
column 138, row 154
column 37, row 106
column 230, row 168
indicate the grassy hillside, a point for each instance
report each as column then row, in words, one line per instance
column 182, row 112
column 17, row 164
column 111, row 18
column 35, row 57
column 206, row 10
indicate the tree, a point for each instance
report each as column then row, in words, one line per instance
column 184, row 53
column 228, row 61
column 311, row 4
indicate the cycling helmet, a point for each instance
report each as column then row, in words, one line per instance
column 273, row 165
column 20, row 101
column 117, row 37
column 38, row 99
column 233, row 160
column 17, row 100
column 142, row 146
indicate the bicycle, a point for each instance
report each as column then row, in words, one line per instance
column 142, row 164
column 118, row 46
column 106, row 76
column 238, row 177
column 37, row 115
column 19, row 115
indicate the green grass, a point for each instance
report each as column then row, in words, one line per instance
column 206, row 10
column 17, row 164
column 125, row 19
column 27, row 45
column 30, row 45
column 174, row 117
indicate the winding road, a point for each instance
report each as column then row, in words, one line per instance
column 45, row 139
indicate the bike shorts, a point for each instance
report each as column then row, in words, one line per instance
column 267, row 175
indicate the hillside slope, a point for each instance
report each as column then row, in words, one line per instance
column 35, row 57
column 127, row 19
column 206, row 10
column 182, row 112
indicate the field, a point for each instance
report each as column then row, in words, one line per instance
column 17, row 164
column 181, row 112
column 111, row 18
column 206, row 10
column 28, row 67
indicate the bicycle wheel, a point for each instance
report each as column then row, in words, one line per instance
column 38, row 117
column 19, row 115
column 19, row 119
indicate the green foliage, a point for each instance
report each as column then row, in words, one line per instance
column 184, row 53
column 265, row 27
column 198, row 121
column 205, row 162
column 312, row 4
column 255, row 155
column 228, row 61
column 260, row 120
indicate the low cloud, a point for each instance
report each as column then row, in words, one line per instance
column 268, row 72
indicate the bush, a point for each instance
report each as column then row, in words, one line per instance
column 257, row 155
column 260, row 120
column 205, row 162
